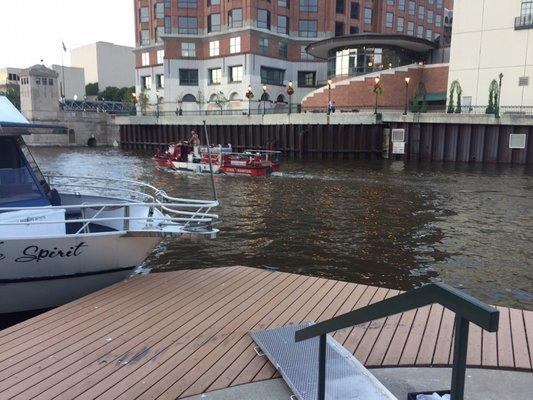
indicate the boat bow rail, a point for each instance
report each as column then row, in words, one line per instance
column 91, row 204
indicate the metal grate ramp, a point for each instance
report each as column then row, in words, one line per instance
column 346, row 377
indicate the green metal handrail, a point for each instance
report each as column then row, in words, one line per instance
column 466, row 308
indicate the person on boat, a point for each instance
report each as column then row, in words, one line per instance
column 194, row 142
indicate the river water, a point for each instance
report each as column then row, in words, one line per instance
column 383, row 223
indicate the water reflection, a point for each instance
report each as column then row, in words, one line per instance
column 393, row 224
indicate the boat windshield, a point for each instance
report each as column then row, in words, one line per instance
column 17, row 183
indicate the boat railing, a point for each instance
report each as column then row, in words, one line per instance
column 139, row 206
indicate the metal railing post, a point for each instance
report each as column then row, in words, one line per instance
column 322, row 368
column 460, row 347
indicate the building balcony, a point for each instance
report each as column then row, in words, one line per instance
column 524, row 22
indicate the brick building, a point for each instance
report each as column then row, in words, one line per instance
column 193, row 52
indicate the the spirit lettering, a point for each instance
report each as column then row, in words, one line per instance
column 35, row 253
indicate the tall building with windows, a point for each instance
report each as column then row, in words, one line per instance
column 191, row 52
column 490, row 41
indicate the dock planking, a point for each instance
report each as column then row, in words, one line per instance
column 176, row 334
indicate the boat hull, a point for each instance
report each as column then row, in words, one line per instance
column 47, row 272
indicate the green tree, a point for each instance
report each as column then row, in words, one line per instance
column 12, row 92
column 128, row 95
column 493, row 98
column 91, row 89
column 220, row 100
column 143, row 102
column 452, row 108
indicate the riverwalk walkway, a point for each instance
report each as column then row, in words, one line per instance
column 178, row 334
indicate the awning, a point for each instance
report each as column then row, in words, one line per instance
column 414, row 44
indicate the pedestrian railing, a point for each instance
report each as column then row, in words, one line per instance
column 466, row 308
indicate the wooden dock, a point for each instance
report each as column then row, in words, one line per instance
column 176, row 334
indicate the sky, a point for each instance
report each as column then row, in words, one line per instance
column 32, row 30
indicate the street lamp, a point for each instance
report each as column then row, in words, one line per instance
column 249, row 95
column 290, row 92
column 264, row 97
column 376, row 91
column 407, row 79
column 329, row 95
column 499, row 95
column 157, row 103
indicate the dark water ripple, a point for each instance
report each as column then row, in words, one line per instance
column 383, row 223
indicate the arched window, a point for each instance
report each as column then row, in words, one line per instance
column 189, row 98
column 265, row 97
column 280, row 99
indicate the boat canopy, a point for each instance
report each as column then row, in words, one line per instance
column 19, row 182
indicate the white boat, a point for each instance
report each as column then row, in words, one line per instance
column 64, row 237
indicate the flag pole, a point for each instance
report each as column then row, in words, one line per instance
column 63, row 89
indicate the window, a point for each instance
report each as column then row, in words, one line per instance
column 188, row 49
column 439, row 3
column 235, row 45
column 429, row 34
column 168, row 25
column 309, row 5
column 50, row 82
column 159, row 10
column 160, row 56
column 235, row 18
column 167, row 3
column 145, row 36
column 160, row 30
column 304, row 55
column 213, row 23
column 144, row 14
column 215, row 76
column 389, row 20
column 399, row 24
column 354, row 30
column 188, row 77
column 339, row 28
column 390, row 2
column 263, row 19
column 236, row 73
column 412, row 7
column 339, row 6
column 160, row 81
column 146, row 82
column 421, row 12
column 438, row 20
column 354, row 11
column 368, row 16
column 306, row 78
column 411, row 28
column 307, row 28
column 431, row 1
column 145, row 59
column 401, row 5
column 213, row 2
column 37, row 81
column 284, row 3
column 430, row 17
column 420, row 31
column 44, row 82
column 283, row 24
column 214, row 48
column 263, row 45
column 272, row 76
column 282, row 49
column 188, row 25
column 187, row 3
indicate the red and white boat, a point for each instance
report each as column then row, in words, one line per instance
column 195, row 158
